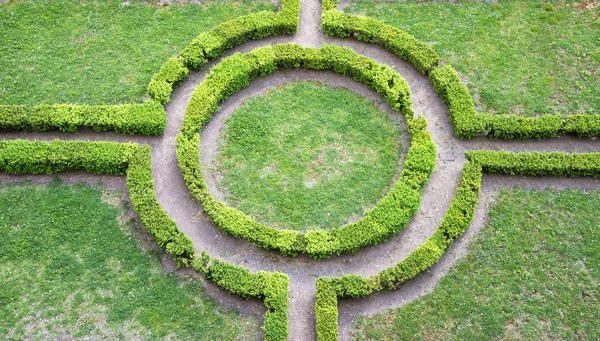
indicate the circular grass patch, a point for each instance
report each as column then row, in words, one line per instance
column 306, row 156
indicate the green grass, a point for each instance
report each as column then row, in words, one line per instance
column 97, row 52
column 516, row 56
column 532, row 273
column 69, row 269
column 307, row 156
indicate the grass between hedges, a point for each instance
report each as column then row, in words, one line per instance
column 97, row 52
column 306, row 156
column 516, row 56
column 68, row 268
column 533, row 273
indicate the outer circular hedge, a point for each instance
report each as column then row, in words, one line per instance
column 391, row 214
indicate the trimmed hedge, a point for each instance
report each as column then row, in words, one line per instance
column 402, row 44
column 148, row 118
column 213, row 44
column 386, row 219
column 468, row 123
column 455, row 222
column 170, row 74
column 537, row 163
column 141, row 192
column 35, row 157
column 271, row 287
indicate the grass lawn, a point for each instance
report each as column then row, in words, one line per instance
column 69, row 269
column 517, row 56
column 307, row 156
column 97, row 52
column 532, row 273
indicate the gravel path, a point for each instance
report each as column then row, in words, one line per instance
column 186, row 211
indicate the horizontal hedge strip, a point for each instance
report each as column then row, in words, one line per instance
column 468, row 123
column 537, row 163
column 402, row 44
column 35, row 157
column 212, row 44
column 148, row 118
column 387, row 218
column 455, row 222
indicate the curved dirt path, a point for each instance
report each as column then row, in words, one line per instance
column 174, row 196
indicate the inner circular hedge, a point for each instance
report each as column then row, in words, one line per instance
column 306, row 156
column 389, row 216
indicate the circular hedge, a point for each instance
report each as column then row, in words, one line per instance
column 389, row 216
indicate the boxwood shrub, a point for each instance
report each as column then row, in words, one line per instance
column 387, row 218
column 148, row 118
column 402, row 44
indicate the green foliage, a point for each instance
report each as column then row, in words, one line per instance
column 272, row 287
column 537, row 163
column 70, row 269
column 455, row 222
column 141, row 192
column 468, row 123
column 97, row 52
column 307, row 164
column 237, row 71
column 330, row 4
column 170, row 74
column 35, row 157
column 530, row 274
column 402, row 44
column 326, row 311
column 210, row 45
column 147, row 119
column 515, row 56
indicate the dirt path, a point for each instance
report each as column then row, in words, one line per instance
column 186, row 212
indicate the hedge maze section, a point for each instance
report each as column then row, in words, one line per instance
column 391, row 214
column 132, row 160
column 386, row 219
column 466, row 121
column 457, row 219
